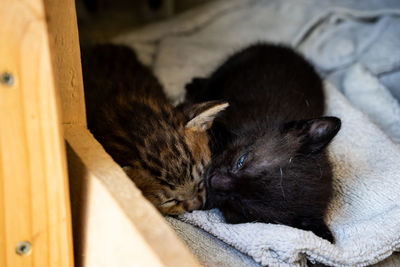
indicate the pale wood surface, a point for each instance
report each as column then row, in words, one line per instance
column 100, row 189
column 34, row 197
column 64, row 39
column 114, row 225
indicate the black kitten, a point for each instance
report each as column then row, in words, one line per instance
column 269, row 163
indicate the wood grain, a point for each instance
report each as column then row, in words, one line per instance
column 114, row 225
column 63, row 32
column 95, row 178
column 34, row 196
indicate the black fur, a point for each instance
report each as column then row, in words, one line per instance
column 269, row 163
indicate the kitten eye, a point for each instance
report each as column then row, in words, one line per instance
column 169, row 203
column 240, row 162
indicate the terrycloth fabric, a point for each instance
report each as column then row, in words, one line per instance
column 209, row 250
column 364, row 213
column 354, row 46
column 371, row 97
column 358, row 51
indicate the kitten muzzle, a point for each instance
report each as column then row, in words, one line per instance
column 193, row 204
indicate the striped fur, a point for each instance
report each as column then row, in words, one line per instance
column 163, row 149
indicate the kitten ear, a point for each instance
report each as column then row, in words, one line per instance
column 315, row 134
column 201, row 116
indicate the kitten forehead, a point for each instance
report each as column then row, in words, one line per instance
column 268, row 151
column 274, row 150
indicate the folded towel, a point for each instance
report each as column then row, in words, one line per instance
column 366, row 93
column 364, row 214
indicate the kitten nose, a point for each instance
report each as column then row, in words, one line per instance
column 220, row 182
column 193, row 204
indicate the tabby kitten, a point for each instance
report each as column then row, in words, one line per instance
column 269, row 161
column 162, row 149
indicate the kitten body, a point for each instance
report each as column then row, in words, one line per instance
column 161, row 149
column 269, row 163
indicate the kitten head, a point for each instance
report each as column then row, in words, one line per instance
column 172, row 158
column 283, row 168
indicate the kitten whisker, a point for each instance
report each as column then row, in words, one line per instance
column 280, row 184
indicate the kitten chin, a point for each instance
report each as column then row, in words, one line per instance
column 268, row 148
column 163, row 150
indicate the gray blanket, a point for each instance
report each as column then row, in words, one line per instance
column 355, row 46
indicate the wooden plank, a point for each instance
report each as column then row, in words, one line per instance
column 34, row 197
column 106, row 205
column 62, row 25
column 95, row 178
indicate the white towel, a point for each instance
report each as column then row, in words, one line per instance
column 364, row 214
column 374, row 99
